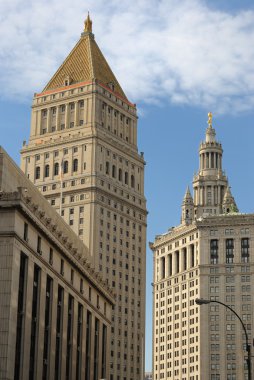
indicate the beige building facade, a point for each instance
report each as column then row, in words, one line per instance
column 210, row 255
column 56, row 310
column 82, row 155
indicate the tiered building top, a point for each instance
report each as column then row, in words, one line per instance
column 212, row 195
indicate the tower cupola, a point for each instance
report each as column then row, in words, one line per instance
column 210, row 183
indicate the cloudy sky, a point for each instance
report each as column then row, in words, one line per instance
column 176, row 59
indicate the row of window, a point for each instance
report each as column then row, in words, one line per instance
column 81, row 342
column 229, row 250
column 121, row 176
column 62, row 108
column 57, row 169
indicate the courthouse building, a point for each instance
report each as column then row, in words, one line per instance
column 210, row 255
column 55, row 309
column 82, row 155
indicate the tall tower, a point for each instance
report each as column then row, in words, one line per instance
column 209, row 256
column 82, row 154
column 210, row 183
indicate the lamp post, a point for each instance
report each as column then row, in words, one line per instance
column 201, row 301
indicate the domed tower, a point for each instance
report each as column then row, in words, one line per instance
column 210, row 183
column 187, row 208
column 228, row 204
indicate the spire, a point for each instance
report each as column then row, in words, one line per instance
column 210, row 132
column 228, row 204
column 188, row 197
column 88, row 24
column 187, row 208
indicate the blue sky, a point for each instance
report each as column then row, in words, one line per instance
column 177, row 60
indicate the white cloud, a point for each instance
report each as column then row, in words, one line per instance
column 160, row 50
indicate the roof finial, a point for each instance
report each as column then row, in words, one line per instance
column 88, row 24
column 210, row 118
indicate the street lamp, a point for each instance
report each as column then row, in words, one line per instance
column 201, row 301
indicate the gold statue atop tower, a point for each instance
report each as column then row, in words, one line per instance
column 210, row 118
column 88, row 24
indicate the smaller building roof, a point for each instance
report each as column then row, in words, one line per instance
column 17, row 188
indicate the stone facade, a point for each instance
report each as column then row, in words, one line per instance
column 210, row 255
column 56, row 310
column 82, row 155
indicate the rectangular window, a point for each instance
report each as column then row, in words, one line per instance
column 47, row 328
column 96, row 349
column 51, row 256
column 104, row 352
column 34, row 323
column 214, row 251
column 59, row 331
column 69, row 338
column 245, row 250
column 229, row 251
column 25, row 232
column 39, row 245
column 62, row 267
column 88, row 345
column 79, row 342
column 20, row 316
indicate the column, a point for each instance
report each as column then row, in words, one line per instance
column 48, row 120
column 57, row 118
column 67, row 116
column 76, row 115
column 210, row 160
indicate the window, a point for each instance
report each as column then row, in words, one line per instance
column 113, row 171
column 71, row 124
column 39, row 245
column 46, row 171
column 107, row 167
column 51, row 256
column 56, row 168
column 62, row 108
column 132, row 181
column 65, row 167
column 75, row 165
column 120, row 175
column 126, row 178
column 245, row 250
column 214, row 251
column 25, row 236
column 62, row 267
column 229, row 251
column 37, row 172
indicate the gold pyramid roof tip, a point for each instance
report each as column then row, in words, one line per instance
column 88, row 24
column 85, row 63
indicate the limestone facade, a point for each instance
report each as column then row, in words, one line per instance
column 56, row 310
column 82, row 155
column 210, row 255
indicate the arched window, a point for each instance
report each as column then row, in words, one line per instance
column 56, row 168
column 107, row 167
column 126, row 178
column 113, row 171
column 75, row 165
column 37, row 172
column 65, row 166
column 46, row 171
column 120, row 175
column 132, row 181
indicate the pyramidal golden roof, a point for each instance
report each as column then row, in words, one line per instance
column 85, row 63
